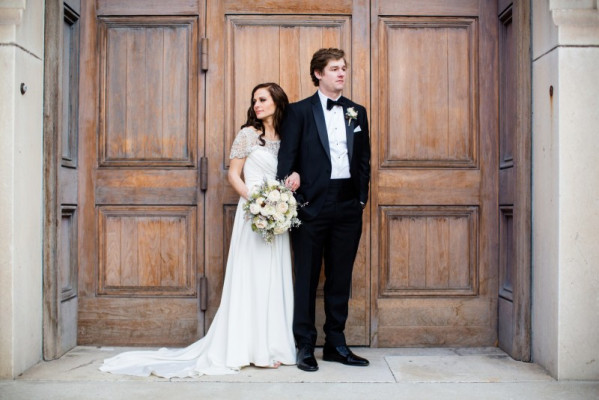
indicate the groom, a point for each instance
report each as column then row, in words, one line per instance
column 324, row 138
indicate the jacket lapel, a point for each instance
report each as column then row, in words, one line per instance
column 320, row 123
column 349, row 130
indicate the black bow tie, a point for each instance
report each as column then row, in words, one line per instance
column 332, row 103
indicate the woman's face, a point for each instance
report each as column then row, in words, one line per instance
column 264, row 106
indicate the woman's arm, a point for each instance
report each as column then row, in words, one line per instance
column 234, row 176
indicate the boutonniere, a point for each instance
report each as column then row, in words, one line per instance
column 350, row 114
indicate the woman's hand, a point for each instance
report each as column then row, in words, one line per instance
column 293, row 181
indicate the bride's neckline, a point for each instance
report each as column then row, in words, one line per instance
column 257, row 132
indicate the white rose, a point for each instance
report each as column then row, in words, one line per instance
column 284, row 197
column 260, row 223
column 260, row 200
column 282, row 207
column 255, row 208
column 274, row 196
column 278, row 216
column 292, row 201
column 272, row 182
column 267, row 210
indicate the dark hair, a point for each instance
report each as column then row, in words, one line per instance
column 321, row 58
column 281, row 101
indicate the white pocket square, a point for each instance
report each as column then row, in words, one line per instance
column 358, row 129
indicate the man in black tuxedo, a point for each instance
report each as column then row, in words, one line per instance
column 324, row 138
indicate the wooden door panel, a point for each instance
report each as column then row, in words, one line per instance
column 274, row 41
column 428, row 71
column 148, row 102
column 147, row 251
column 433, row 187
column 507, row 125
column 428, row 251
column 142, row 213
column 67, row 253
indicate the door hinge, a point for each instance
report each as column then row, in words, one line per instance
column 203, row 174
column 204, row 54
column 203, row 293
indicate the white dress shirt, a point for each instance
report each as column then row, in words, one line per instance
column 335, row 123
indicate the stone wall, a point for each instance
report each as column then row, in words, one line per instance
column 21, row 115
column 565, row 317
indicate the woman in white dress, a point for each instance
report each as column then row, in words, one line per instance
column 253, row 324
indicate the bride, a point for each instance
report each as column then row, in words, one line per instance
column 254, row 319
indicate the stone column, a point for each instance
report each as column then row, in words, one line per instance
column 21, row 90
column 565, row 316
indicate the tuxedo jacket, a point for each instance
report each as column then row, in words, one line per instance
column 305, row 150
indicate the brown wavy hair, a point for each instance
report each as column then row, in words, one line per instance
column 321, row 58
column 281, row 101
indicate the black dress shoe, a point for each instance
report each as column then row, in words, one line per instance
column 343, row 355
column 305, row 359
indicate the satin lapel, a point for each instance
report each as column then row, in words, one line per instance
column 349, row 131
column 320, row 124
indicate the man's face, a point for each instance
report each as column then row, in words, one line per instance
column 332, row 78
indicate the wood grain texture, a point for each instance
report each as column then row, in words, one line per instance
column 162, row 186
column 144, row 251
column 507, row 88
column 147, row 7
column 428, row 108
column 140, row 228
column 431, row 7
column 288, row 7
column 60, row 224
column 428, row 251
column 434, row 182
column 514, row 166
column 523, row 205
column 143, row 322
column 436, row 322
column 147, row 105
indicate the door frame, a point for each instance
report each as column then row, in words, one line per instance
column 52, row 115
column 522, row 332
column 52, row 127
column 522, row 185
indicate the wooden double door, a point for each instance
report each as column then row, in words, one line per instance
column 164, row 87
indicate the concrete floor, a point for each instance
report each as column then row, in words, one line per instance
column 441, row 373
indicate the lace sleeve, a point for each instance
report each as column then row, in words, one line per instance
column 244, row 143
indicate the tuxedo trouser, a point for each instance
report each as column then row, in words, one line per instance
column 335, row 235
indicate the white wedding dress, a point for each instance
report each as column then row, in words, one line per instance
column 253, row 324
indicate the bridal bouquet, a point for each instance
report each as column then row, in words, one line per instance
column 272, row 209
